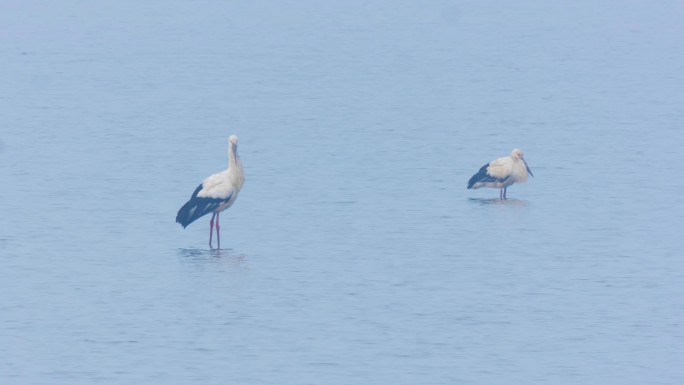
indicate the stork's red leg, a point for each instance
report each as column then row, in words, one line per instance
column 211, row 228
column 218, row 235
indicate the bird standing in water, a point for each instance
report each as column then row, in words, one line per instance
column 215, row 194
column 502, row 173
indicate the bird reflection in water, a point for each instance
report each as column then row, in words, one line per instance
column 499, row 202
column 224, row 256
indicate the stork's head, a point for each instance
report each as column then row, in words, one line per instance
column 233, row 139
column 518, row 154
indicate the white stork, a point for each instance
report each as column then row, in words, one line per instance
column 502, row 173
column 216, row 193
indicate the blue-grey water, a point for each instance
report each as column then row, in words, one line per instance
column 354, row 253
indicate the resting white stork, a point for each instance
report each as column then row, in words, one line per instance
column 216, row 193
column 502, row 173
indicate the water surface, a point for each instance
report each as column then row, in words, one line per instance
column 354, row 254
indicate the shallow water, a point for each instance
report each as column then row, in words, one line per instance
column 354, row 253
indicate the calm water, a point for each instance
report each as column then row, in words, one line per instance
column 355, row 254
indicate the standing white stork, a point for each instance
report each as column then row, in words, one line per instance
column 216, row 193
column 502, row 173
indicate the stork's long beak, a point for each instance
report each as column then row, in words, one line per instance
column 527, row 167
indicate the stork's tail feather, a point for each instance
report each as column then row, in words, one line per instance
column 196, row 208
column 481, row 176
column 184, row 217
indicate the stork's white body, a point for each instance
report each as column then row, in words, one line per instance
column 216, row 193
column 223, row 185
column 501, row 173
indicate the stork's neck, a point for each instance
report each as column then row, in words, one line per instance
column 232, row 157
column 235, row 166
